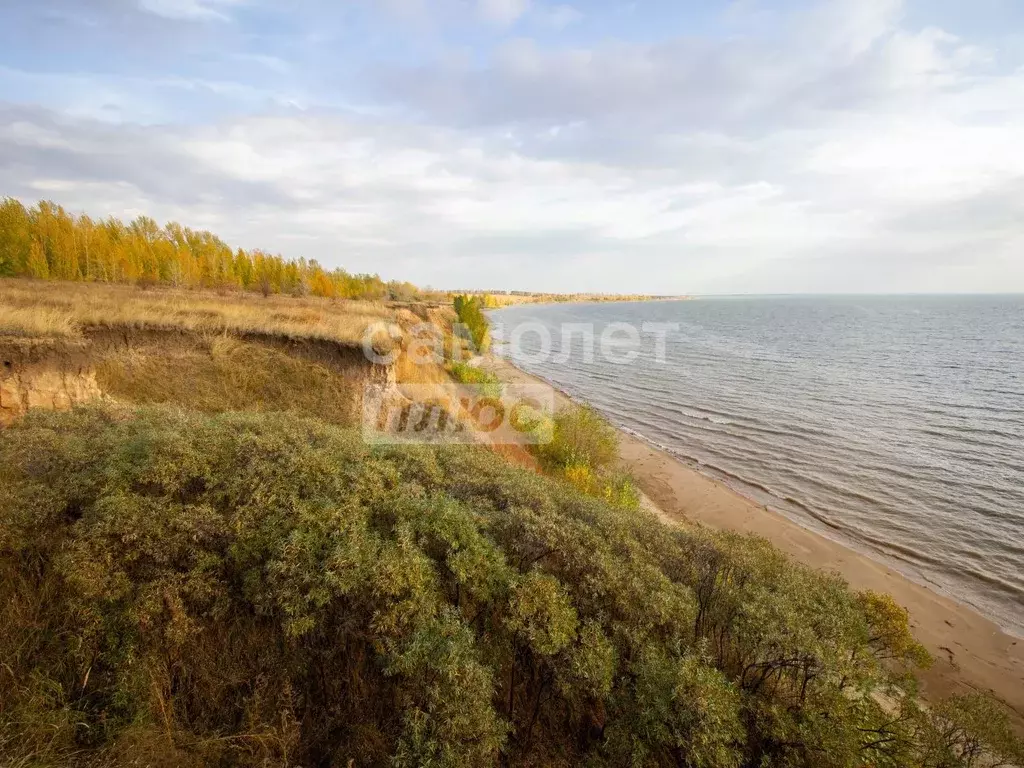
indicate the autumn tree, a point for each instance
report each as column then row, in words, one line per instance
column 46, row 242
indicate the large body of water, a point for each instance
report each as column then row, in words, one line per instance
column 893, row 424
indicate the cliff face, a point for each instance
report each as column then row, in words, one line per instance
column 42, row 374
column 59, row 374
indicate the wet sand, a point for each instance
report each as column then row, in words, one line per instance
column 971, row 653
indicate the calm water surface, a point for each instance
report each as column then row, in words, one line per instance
column 895, row 424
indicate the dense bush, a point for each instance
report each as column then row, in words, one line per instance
column 582, row 450
column 581, row 437
column 265, row 590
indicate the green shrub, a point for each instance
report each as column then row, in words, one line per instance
column 490, row 385
column 581, row 437
column 470, row 311
column 261, row 589
column 967, row 731
column 616, row 489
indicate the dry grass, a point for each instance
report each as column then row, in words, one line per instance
column 36, row 322
column 211, row 369
column 225, row 374
column 65, row 310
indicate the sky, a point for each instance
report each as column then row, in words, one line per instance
column 650, row 146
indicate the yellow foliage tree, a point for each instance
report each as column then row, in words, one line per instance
column 47, row 243
column 37, row 266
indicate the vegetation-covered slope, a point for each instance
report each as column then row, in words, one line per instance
column 268, row 590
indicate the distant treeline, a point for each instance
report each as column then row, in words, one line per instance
column 497, row 299
column 48, row 243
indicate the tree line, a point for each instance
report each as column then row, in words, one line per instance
column 46, row 242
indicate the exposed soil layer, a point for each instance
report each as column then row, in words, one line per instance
column 58, row 374
column 44, row 374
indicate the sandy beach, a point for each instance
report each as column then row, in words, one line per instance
column 971, row 653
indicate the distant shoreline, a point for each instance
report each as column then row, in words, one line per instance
column 505, row 300
column 971, row 652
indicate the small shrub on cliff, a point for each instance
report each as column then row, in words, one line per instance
column 489, row 384
column 581, row 437
column 470, row 312
column 970, row 731
column 616, row 489
column 582, row 449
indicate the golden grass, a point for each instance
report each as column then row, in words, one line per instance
column 65, row 310
column 226, row 374
column 215, row 367
column 36, row 322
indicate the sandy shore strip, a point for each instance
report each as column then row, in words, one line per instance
column 971, row 653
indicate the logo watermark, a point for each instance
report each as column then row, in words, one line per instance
column 529, row 342
column 491, row 411
column 509, row 414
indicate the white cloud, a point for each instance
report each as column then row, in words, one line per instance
column 440, row 206
column 273, row 63
column 848, row 28
column 135, row 99
column 845, row 150
column 191, row 10
column 557, row 16
column 502, row 12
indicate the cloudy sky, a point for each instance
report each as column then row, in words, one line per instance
column 668, row 146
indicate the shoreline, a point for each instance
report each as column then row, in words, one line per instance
column 971, row 652
column 579, row 299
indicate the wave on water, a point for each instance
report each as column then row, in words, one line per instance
column 892, row 430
